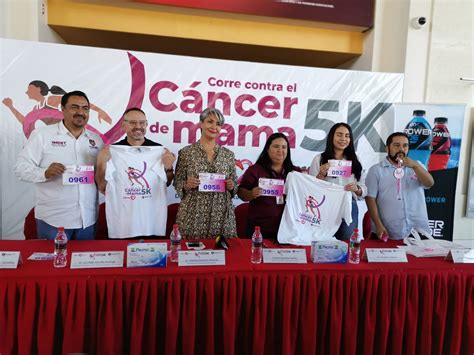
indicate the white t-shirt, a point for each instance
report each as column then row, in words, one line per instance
column 135, row 195
column 314, row 170
column 314, row 209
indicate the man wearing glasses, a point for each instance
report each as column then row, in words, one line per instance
column 133, row 174
column 134, row 124
column 60, row 160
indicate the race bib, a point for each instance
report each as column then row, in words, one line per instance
column 271, row 187
column 78, row 175
column 340, row 168
column 211, row 182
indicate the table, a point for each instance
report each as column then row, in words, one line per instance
column 423, row 307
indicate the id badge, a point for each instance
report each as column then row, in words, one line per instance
column 78, row 175
column 211, row 182
column 280, row 200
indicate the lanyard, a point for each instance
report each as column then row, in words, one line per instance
column 399, row 173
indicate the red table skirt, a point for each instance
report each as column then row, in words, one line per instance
column 265, row 311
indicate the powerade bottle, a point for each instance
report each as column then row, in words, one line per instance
column 440, row 145
column 419, row 133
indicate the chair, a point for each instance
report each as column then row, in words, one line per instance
column 241, row 212
column 172, row 212
column 101, row 231
column 366, row 226
column 29, row 227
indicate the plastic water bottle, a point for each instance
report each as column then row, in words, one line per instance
column 354, row 248
column 419, row 133
column 175, row 243
column 257, row 246
column 60, row 248
column 440, row 145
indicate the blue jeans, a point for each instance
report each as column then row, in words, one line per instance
column 47, row 231
column 345, row 231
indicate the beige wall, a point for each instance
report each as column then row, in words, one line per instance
column 26, row 20
column 451, row 56
column 436, row 57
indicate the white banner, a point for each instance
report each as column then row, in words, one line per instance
column 256, row 99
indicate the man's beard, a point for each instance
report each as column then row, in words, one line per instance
column 398, row 156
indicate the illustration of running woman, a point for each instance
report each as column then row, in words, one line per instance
column 312, row 203
column 48, row 107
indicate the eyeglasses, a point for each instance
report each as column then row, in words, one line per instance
column 137, row 123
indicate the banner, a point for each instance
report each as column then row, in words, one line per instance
column 470, row 193
column 435, row 133
column 355, row 12
column 256, row 100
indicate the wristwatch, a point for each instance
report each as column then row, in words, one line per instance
column 170, row 170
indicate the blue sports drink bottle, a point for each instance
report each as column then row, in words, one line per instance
column 419, row 133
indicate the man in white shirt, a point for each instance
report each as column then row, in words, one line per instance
column 60, row 159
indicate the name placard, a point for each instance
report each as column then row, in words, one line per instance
column 146, row 255
column 271, row 187
column 9, row 259
column 461, row 256
column 96, row 259
column 41, row 256
column 201, row 257
column 340, row 168
column 333, row 251
column 211, row 182
column 78, row 175
column 385, row 255
column 284, row 256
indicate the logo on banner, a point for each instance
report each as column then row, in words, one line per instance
column 436, row 228
column 242, row 164
column 48, row 107
column 139, row 186
column 312, row 214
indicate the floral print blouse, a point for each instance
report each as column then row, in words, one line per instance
column 205, row 214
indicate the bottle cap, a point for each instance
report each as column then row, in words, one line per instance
column 419, row 113
column 257, row 228
column 175, row 225
column 61, row 229
column 441, row 120
column 356, row 230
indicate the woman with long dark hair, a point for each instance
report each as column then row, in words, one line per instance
column 274, row 163
column 340, row 146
